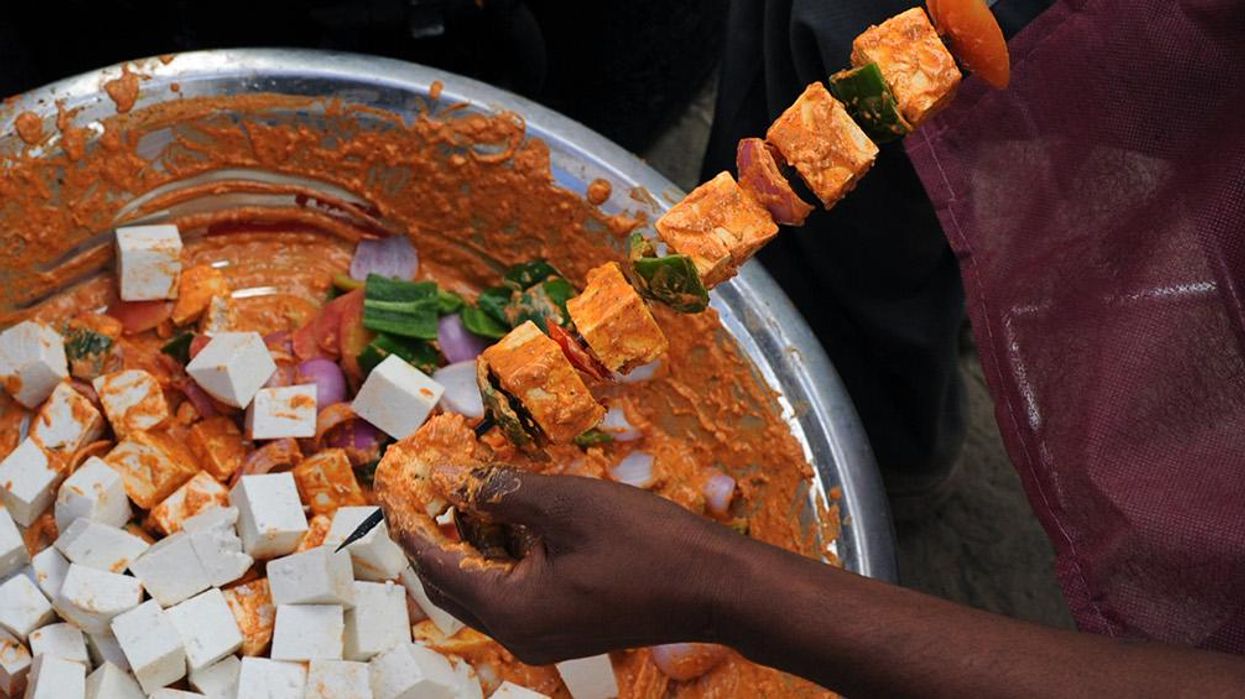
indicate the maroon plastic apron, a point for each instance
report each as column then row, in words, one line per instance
column 1097, row 208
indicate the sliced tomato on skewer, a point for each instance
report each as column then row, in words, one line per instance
column 577, row 355
column 975, row 37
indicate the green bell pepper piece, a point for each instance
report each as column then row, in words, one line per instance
column 672, row 280
column 528, row 274
column 477, row 322
column 870, row 101
column 178, row 348
column 418, row 353
column 401, row 308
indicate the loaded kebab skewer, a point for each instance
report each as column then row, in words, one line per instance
column 532, row 380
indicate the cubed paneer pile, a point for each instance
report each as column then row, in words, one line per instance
column 615, row 322
column 916, row 65
column 719, row 226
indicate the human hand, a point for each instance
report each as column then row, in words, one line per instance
column 613, row 567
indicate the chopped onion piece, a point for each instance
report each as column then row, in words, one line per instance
column 635, row 469
column 329, row 380
column 462, row 395
column 393, row 257
column 616, row 425
column 719, row 490
column 639, row 374
column 457, row 343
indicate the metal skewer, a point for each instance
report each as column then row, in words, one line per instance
column 378, row 516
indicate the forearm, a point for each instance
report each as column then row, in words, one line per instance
column 865, row 638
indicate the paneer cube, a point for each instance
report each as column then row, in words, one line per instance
column 510, row 690
column 221, row 316
column 589, row 678
column 251, row 604
column 104, row 650
column 95, row 492
column 469, row 686
column 95, row 545
column 217, row 445
column 326, row 481
column 820, row 140
column 916, row 65
column 56, row 678
column 217, row 545
column 195, row 495
column 615, row 322
column 153, row 465
column 719, row 226
column 317, row 532
column 149, row 261
column 447, row 623
column 152, row 645
column 132, row 400
column 261, row 678
column 67, row 421
column 49, row 567
column 319, row 576
column 112, row 682
column 198, row 285
column 232, row 367
column 23, row 608
column 171, row 570
column 308, row 632
column 167, row 693
column 207, row 627
column 92, row 598
column 408, row 671
column 28, row 480
column 397, row 397
column 15, row 663
column 376, row 556
column 270, row 515
column 62, row 640
column 13, row 553
column 285, row 411
column 379, row 620
column 532, row 368
column 219, row 680
column 338, row 679
column 32, row 362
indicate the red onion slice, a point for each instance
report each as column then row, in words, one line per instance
column 392, row 257
column 329, row 379
column 462, row 394
column 457, row 343
column 616, row 425
column 719, row 490
column 635, row 469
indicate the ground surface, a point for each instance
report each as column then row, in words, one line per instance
column 982, row 546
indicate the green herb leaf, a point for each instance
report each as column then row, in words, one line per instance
column 529, row 274
column 592, row 438
column 408, row 309
column 418, row 353
column 81, row 343
column 494, row 301
column 179, row 347
column 477, row 322
column 448, row 302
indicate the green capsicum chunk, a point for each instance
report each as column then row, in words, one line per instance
column 870, row 101
column 592, row 438
column 499, row 408
column 178, row 348
column 528, row 274
column 408, row 309
column 672, row 280
column 477, row 322
column 418, row 353
column 493, row 301
column 541, row 304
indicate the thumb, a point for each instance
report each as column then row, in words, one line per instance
column 508, row 495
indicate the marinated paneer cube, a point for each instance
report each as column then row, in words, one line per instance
column 284, row 411
column 820, row 140
column 195, row 495
column 217, row 445
column 221, row 316
column 532, row 368
column 133, row 400
column 67, row 421
column 152, row 464
column 915, row 63
column 326, row 481
column 251, row 604
column 15, row 663
column 148, row 262
column 95, row 491
column 198, row 286
column 615, row 322
column 719, row 226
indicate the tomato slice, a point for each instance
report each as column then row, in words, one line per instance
column 353, row 338
column 975, row 36
column 576, row 354
column 140, row 316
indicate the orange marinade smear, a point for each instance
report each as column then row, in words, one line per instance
column 469, row 215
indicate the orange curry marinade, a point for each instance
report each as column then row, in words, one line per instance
column 490, row 203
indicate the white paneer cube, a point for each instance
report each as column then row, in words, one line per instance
column 409, row 671
column 167, row 693
column 446, row 622
column 23, row 608
column 316, row 576
column 208, row 629
column 397, row 397
column 285, row 411
column 217, row 545
column 338, row 679
column 32, row 362
column 510, row 690
column 62, row 640
column 270, row 515
column 56, row 678
column 468, row 681
column 232, row 367
column 13, row 553
column 261, row 678
column 589, row 678
column 104, row 649
column 92, row 598
column 171, row 570
column 112, row 682
column 14, row 664
column 375, row 557
column 90, row 543
column 152, row 645
column 149, row 262
column 218, row 680
column 94, row 492
column 379, row 620
column 50, row 568
column 132, row 400
column 29, row 482
column 308, row 632
column 199, row 493
column 67, row 421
